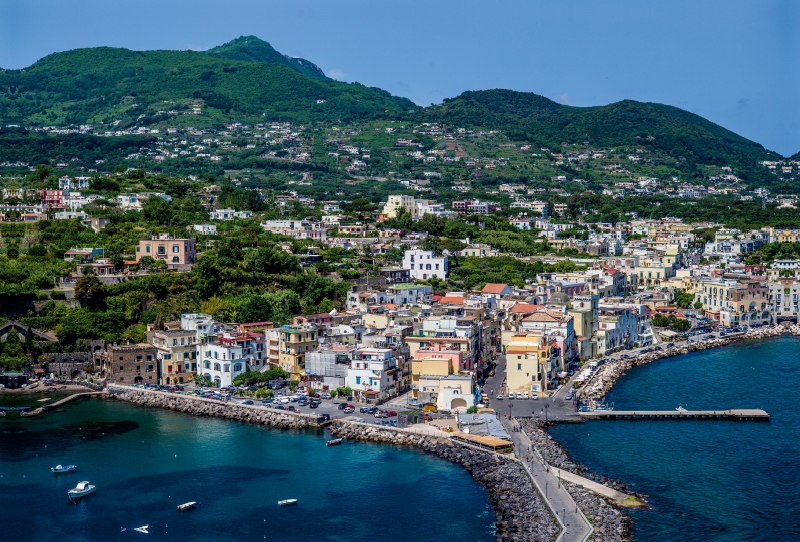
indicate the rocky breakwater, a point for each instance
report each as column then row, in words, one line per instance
column 520, row 513
column 607, row 374
column 206, row 407
column 610, row 525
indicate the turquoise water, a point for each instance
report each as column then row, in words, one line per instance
column 145, row 462
column 706, row 480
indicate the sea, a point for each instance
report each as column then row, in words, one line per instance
column 145, row 462
column 706, row 480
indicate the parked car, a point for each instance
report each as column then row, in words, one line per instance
column 380, row 414
column 349, row 410
column 313, row 405
column 519, row 395
column 326, row 396
column 391, row 413
column 248, row 402
column 526, row 395
column 364, row 409
column 315, row 395
column 279, row 407
column 291, row 408
column 570, row 394
column 500, row 397
column 302, row 402
column 342, row 406
column 267, row 400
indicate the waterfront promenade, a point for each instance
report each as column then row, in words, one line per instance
column 574, row 525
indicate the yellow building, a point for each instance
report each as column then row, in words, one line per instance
column 295, row 343
column 528, row 363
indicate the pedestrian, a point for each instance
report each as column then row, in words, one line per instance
column 527, row 458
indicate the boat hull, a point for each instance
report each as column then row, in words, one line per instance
column 79, row 494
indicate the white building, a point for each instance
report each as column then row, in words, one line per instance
column 205, row 229
column 229, row 214
column 225, row 358
column 424, row 265
column 370, row 373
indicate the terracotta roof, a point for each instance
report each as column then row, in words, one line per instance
column 541, row 316
column 494, row 288
column 525, row 307
column 448, row 299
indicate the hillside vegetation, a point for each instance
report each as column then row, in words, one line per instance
column 252, row 49
column 545, row 123
column 106, row 85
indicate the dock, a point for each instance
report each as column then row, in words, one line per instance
column 736, row 414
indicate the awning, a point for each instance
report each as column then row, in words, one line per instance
column 562, row 374
column 39, row 371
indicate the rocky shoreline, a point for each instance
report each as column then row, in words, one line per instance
column 520, row 513
column 607, row 374
column 609, row 523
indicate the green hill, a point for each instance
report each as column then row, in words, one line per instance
column 525, row 116
column 253, row 49
column 119, row 87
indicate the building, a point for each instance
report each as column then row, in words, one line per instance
column 177, row 354
column 397, row 202
column 423, row 264
column 178, row 253
column 295, row 343
column 528, row 366
column 205, row 229
column 225, row 358
column 130, row 364
column 371, row 374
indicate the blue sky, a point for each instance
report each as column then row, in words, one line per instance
column 734, row 62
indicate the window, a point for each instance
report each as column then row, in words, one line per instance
column 162, row 249
column 176, row 248
column 519, row 366
column 147, row 249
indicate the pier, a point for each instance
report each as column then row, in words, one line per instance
column 754, row 414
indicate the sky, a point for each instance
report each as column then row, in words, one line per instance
column 734, row 62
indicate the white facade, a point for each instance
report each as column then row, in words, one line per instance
column 206, row 229
column 424, row 265
column 369, row 372
column 225, row 359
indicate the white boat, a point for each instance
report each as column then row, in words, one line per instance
column 287, row 502
column 186, row 506
column 63, row 468
column 142, row 529
column 81, row 490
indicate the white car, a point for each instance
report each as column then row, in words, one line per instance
column 499, row 397
column 525, row 395
column 534, row 395
column 519, row 395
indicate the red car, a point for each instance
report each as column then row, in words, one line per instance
column 391, row 413
column 314, row 395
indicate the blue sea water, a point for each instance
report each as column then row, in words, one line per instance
column 706, row 480
column 146, row 461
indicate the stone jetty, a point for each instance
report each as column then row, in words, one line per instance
column 610, row 525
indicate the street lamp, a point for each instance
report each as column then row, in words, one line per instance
column 510, row 406
column 546, row 406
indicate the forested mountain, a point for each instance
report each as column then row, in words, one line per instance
column 246, row 80
column 545, row 123
column 252, row 49
column 104, row 85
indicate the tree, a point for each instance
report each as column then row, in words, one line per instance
column 13, row 356
column 201, row 380
column 145, row 262
column 89, row 289
column 683, row 299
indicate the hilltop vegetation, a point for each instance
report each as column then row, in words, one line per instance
column 690, row 138
column 120, row 88
column 252, row 49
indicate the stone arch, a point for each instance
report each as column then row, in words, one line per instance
column 458, row 403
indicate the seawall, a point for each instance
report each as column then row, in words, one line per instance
column 520, row 513
column 607, row 374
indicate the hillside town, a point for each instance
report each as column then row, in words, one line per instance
column 405, row 331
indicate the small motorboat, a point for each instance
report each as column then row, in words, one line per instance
column 287, row 502
column 63, row 468
column 186, row 506
column 142, row 529
column 81, row 490
column 334, row 442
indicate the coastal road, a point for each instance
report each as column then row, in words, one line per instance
column 575, row 527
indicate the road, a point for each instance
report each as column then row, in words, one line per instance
column 574, row 525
